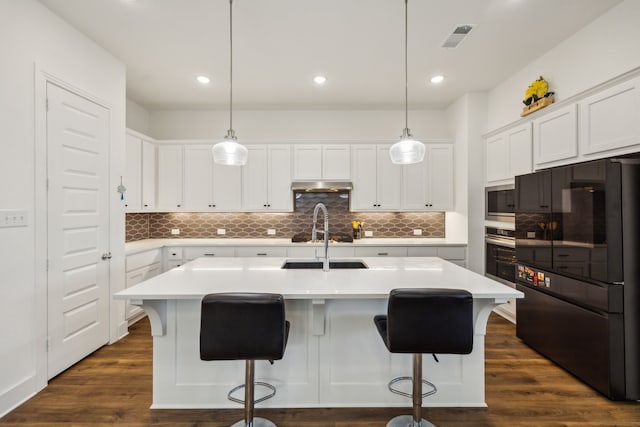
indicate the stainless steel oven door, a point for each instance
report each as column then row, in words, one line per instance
column 500, row 203
column 500, row 264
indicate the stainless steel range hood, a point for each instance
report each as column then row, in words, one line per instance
column 320, row 186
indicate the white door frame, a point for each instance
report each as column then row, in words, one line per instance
column 43, row 75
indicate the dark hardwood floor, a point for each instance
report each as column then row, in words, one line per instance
column 113, row 386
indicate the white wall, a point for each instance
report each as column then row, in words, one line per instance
column 137, row 118
column 600, row 51
column 31, row 34
column 466, row 120
column 293, row 125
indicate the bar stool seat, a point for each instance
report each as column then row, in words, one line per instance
column 418, row 321
column 244, row 326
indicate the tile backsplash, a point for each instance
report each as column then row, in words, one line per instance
column 254, row 225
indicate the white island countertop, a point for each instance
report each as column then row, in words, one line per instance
column 208, row 275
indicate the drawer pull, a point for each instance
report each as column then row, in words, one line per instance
column 209, row 254
column 383, row 253
column 261, row 254
column 563, row 255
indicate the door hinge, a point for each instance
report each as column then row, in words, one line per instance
column 46, row 103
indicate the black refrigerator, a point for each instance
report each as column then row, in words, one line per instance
column 578, row 264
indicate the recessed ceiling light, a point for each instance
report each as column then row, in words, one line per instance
column 437, row 79
column 319, row 80
column 203, row 80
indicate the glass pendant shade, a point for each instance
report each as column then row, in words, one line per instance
column 229, row 152
column 407, row 150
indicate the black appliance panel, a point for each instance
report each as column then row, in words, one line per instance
column 587, row 221
column 600, row 297
column 500, row 262
column 533, row 223
column 590, row 345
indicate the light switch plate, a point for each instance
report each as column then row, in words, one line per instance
column 14, row 218
column 271, row 231
column 368, row 233
column 222, row 231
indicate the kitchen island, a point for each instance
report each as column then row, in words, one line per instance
column 334, row 357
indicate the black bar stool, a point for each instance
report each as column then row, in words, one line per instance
column 425, row 321
column 244, row 326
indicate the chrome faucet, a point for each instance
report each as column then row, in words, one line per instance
column 314, row 234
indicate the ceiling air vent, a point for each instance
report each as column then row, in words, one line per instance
column 458, row 34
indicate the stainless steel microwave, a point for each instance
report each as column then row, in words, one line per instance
column 500, row 203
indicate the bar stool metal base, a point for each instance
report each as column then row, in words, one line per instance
column 407, row 421
column 257, row 422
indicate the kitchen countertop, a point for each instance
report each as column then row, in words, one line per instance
column 207, row 275
column 148, row 244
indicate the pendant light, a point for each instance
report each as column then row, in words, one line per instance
column 229, row 152
column 407, row 150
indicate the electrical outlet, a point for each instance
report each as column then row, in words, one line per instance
column 175, row 231
column 271, row 231
column 417, row 232
column 368, row 233
column 13, row 218
column 222, row 231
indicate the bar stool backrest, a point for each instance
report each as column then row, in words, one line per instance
column 430, row 321
column 242, row 326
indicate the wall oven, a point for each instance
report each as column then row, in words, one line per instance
column 500, row 203
column 500, row 255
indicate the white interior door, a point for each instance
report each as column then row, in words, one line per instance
column 77, row 227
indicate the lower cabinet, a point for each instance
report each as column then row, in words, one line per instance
column 455, row 254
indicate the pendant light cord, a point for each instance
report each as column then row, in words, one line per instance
column 406, row 78
column 230, row 65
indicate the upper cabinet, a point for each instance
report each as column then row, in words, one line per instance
column 140, row 174
column 508, row 154
column 266, row 179
column 321, row 161
column 610, row 120
column 169, row 177
column 376, row 181
column 209, row 187
column 601, row 122
column 555, row 137
column 428, row 186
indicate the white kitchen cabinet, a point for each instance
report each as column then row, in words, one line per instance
column 266, row 179
column 497, row 159
column 508, row 154
column 321, row 161
column 376, row 181
column 132, row 178
column 210, row 187
column 139, row 176
column 610, row 119
column 148, row 176
column 428, row 185
column 455, row 254
column 376, row 251
column 170, row 177
column 555, row 137
column 261, row 251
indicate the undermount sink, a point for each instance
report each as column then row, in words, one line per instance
column 314, row 264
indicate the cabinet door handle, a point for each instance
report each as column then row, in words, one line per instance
column 209, row 254
column 261, row 254
column 563, row 255
column 178, row 205
column 383, row 253
column 146, row 206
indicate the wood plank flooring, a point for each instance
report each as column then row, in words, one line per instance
column 113, row 386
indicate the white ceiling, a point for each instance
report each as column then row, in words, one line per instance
column 280, row 45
